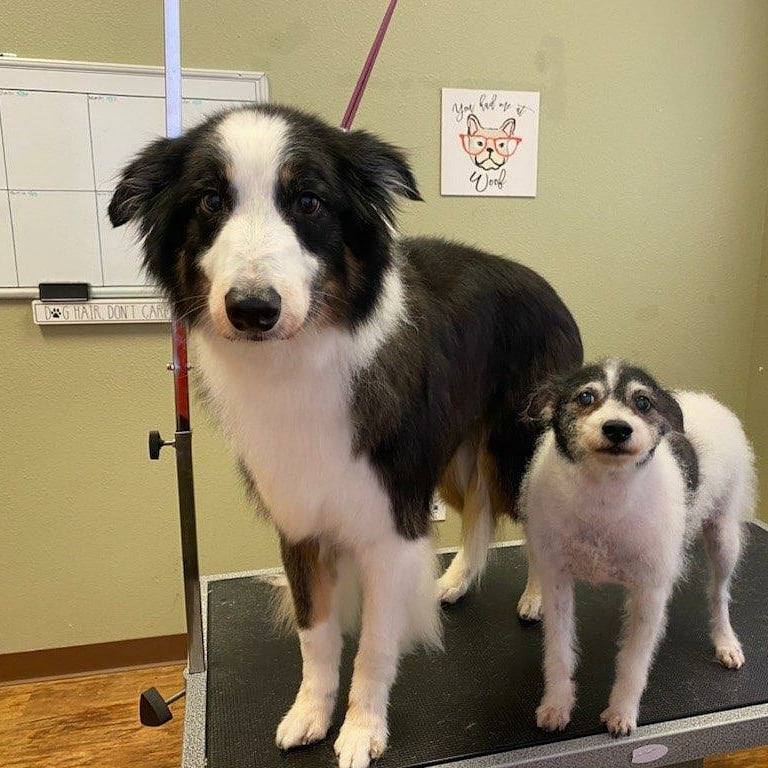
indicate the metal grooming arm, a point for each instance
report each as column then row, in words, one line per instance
column 153, row 707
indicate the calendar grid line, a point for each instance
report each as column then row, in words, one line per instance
column 95, row 190
column 8, row 197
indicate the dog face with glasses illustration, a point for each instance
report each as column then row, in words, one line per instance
column 490, row 148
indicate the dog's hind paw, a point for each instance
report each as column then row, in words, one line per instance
column 450, row 588
column 361, row 739
column 529, row 606
column 619, row 721
column 730, row 656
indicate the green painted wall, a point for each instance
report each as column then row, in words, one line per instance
column 653, row 170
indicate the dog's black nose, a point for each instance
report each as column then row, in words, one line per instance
column 253, row 311
column 617, row 431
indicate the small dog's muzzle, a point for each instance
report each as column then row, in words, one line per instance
column 617, row 431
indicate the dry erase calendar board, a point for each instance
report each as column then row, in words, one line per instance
column 66, row 130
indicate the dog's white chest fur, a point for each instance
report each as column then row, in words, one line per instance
column 620, row 531
column 285, row 409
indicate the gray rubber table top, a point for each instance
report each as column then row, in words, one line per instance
column 479, row 696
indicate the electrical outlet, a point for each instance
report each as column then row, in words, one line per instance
column 438, row 509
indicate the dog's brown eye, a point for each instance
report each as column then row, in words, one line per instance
column 211, row 202
column 642, row 403
column 308, row 204
column 586, row 398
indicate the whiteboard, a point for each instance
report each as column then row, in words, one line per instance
column 66, row 131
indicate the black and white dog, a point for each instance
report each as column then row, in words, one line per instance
column 352, row 371
column 624, row 478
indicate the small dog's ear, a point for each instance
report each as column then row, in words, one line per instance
column 377, row 171
column 670, row 410
column 473, row 125
column 143, row 178
column 541, row 404
column 508, row 126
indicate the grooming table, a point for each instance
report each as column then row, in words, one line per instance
column 473, row 706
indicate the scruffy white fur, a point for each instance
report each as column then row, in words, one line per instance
column 601, row 521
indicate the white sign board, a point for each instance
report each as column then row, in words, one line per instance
column 101, row 311
column 490, row 143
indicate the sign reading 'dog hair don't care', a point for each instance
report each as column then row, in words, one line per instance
column 490, row 143
column 101, row 312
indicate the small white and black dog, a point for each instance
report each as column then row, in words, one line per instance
column 352, row 370
column 623, row 479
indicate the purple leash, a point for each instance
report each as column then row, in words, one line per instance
column 362, row 81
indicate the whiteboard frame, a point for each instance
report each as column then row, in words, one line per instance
column 47, row 74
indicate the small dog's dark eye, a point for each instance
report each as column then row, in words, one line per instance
column 586, row 398
column 308, row 204
column 211, row 202
column 642, row 403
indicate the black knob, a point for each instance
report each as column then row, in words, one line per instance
column 155, row 444
column 153, row 709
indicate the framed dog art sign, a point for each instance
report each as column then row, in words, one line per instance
column 490, row 142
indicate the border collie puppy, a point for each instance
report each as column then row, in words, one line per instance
column 351, row 371
column 615, row 492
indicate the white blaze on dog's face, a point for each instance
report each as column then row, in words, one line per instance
column 257, row 255
column 264, row 220
column 611, row 414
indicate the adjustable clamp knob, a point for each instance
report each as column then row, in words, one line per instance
column 154, row 709
column 156, row 443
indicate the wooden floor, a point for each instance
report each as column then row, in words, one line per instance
column 91, row 722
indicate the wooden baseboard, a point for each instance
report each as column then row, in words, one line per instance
column 87, row 659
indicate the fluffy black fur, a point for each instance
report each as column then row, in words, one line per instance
column 485, row 331
column 687, row 461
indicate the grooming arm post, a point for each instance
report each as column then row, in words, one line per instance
column 195, row 652
column 153, row 707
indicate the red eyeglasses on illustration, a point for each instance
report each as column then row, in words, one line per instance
column 474, row 144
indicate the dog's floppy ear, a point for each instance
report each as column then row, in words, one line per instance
column 143, row 178
column 670, row 410
column 540, row 406
column 377, row 171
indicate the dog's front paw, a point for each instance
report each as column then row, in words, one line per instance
column 554, row 712
column 362, row 738
column 452, row 586
column 620, row 721
column 730, row 655
column 550, row 717
column 305, row 722
column 529, row 606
